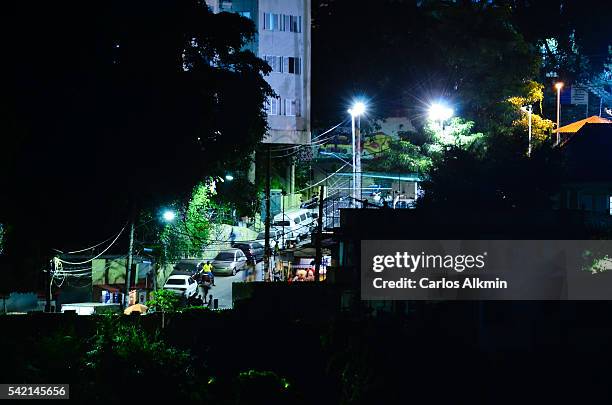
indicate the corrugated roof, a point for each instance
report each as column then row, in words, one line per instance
column 576, row 126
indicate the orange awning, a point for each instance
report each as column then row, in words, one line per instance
column 575, row 126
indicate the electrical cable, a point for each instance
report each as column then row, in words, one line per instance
column 313, row 139
column 321, row 181
column 100, row 254
column 92, row 247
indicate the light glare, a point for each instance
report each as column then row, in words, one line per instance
column 169, row 215
column 438, row 112
column 358, row 109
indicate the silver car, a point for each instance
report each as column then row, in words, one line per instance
column 229, row 261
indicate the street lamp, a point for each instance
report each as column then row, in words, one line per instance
column 229, row 177
column 169, row 216
column 558, row 86
column 528, row 109
column 440, row 113
column 356, row 111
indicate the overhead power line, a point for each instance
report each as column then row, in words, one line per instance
column 98, row 255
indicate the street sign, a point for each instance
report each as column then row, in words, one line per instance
column 579, row 95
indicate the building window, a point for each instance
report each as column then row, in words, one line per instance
column 293, row 65
column 273, row 107
column 292, row 108
column 246, row 14
column 275, row 62
column 271, row 22
column 610, row 204
column 282, row 22
column 266, row 21
column 295, row 23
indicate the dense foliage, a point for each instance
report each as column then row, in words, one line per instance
column 130, row 105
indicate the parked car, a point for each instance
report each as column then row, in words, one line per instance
column 181, row 284
column 252, row 250
column 229, row 261
column 276, row 237
column 299, row 222
column 403, row 203
column 186, row 266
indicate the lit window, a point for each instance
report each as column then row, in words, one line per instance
column 610, row 204
column 246, row 14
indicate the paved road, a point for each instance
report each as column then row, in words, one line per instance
column 223, row 286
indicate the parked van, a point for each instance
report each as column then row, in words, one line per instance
column 300, row 222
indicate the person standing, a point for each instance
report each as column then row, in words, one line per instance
column 205, row 286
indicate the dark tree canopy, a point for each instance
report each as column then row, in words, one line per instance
column 403, row 54
column 117, row 103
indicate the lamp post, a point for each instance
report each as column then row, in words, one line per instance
column 529, row 110
column 356, row 111
column 167, row 216
column 558, row 86
column 284, row 194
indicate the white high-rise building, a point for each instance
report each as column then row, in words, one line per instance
column 283, row 40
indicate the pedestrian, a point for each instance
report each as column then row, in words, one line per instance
column 205, row 286
column 310, row 275
column 252, row 270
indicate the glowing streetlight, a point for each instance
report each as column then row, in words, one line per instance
column 356, row 111
column 229, row 177
column 439, row 112
column 558, row 86
column 169, row 216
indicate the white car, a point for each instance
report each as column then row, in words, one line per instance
column 181, row 284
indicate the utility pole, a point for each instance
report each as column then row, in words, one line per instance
column 353, row 130
column 48, row 281
column 284, row 194
column 319, row 241
column 358, row 156
column 128, row 265
column 267, row 224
